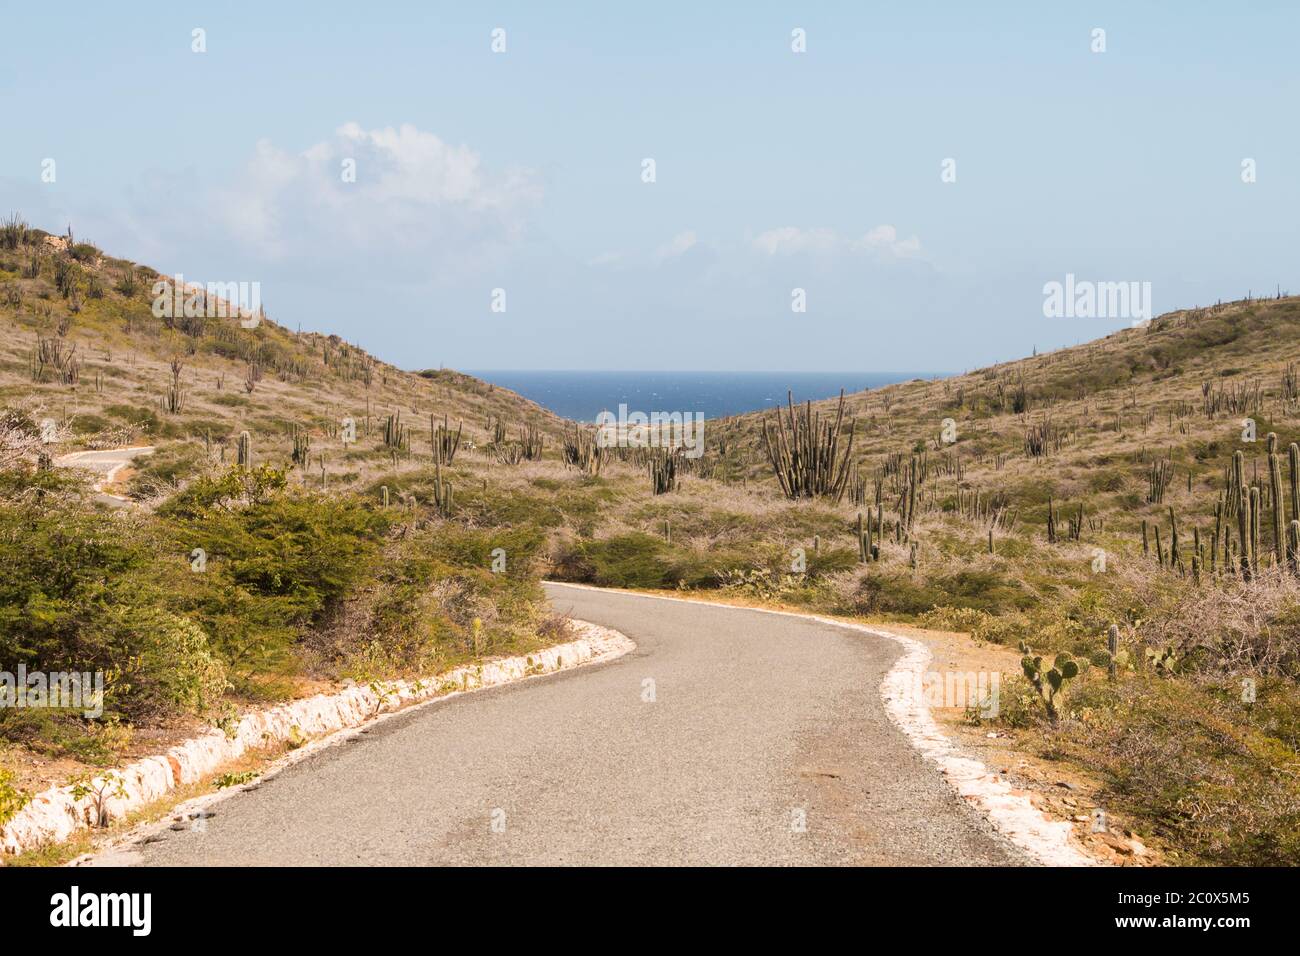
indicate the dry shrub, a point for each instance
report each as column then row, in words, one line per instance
column 1231, row 627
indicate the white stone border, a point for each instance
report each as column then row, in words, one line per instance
column 55, row 814
column 1047, row 841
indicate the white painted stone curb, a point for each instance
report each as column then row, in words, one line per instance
column 1047, row 841
column 56, row 814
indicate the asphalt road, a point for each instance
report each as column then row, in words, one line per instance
column 105, row 463
column 765, row 743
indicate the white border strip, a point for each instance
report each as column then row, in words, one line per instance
column 55, row 814
column 1047, row 841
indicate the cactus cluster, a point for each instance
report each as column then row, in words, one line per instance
column 510, row 453
column 444, row 441
column 530, row 438
column 301, row 446
column 1042, row 440
column 663, row 470
column 175, row 399
column 869, row 536
column 805, row 452
column 581, row 450
column 1260, row 540
column 396, row 435
column 442, row 493
column 1158, row 480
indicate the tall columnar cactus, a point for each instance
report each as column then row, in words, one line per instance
column 1254, row 530
column 444, row 441
column 1048, row 681
column 805, row 452
column 907, row 500
column 383, row 495
column 395, row 434
column 301, row 446
column 868, row 549
column 1279, row 505
column 1175, row 551
column 1218, row 531
column 1293, row 460
column 1293, row 545
column 582, row 450
column 1051, row 521
column 532, row 441
column 663, row 471
column 1236, row 481
column 442, row 493
column 1158, row 481
column 245, row 450
column 1245, row 535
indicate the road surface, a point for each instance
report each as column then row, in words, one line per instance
column 106, row 464
column 727, row 737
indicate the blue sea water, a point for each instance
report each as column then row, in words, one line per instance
column 582, row 395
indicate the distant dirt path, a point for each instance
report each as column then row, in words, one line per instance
column 106, row 463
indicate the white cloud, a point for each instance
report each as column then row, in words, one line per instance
column 676, row 246
column 789, row 240
column 413, row 195
column 885, row 239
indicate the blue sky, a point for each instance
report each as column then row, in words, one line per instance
column 774, row 170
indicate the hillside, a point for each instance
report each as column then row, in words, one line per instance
column 1037, row 504
column 83, row 346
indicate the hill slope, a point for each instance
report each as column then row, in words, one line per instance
column 1009, row 503
column 82, row 345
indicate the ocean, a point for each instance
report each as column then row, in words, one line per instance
column 582, row 395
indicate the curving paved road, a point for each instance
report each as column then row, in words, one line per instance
column 105, row 463
column 757, row 721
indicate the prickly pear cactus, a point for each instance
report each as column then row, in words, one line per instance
column 1048, row 681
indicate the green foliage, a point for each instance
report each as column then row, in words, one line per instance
column 435, row 584
column 633, row 560
column 165, row 469
column 235, row 779
column 11, row 798
column 277, row 560
column 171, row 668
column 59, row 732
column 890, row 590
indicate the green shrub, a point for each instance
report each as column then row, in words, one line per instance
column 11, row 798
column 170, row 669
column 277, row 561
column 633, row 560
column 165, row 469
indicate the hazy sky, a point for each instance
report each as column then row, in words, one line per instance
column 775, row 170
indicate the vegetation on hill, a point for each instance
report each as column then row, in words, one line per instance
column 1127, row 484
